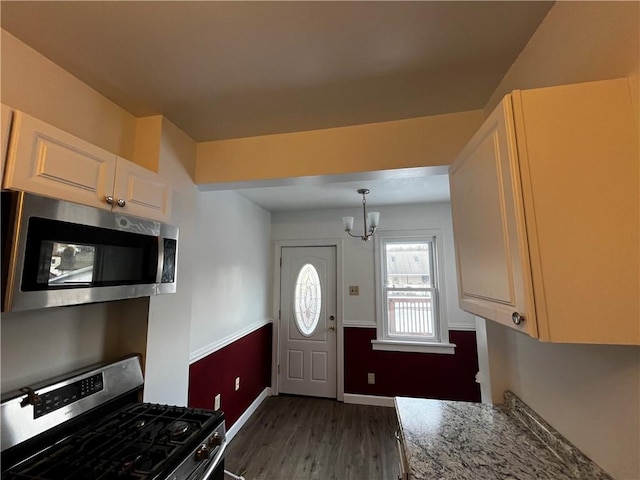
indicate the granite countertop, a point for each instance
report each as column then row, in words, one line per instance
column 447, row 440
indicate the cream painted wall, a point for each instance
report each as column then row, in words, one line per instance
column 232, row 270
column 590, row 393
column 34, row 84
column 577, row 42
column 148, row 141
column 39, row 344
column 358, row 256
column 417, row 142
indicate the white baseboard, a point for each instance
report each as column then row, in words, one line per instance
column 247, row 414
column 368, row 400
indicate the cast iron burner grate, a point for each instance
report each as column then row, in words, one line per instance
column 141, row 441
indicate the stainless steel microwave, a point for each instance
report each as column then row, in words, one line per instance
column 57, row 253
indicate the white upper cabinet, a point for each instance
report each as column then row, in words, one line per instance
column 489, row 227
column 545, row 202
column 144, row 193
column 45, row 160
column 5, row 129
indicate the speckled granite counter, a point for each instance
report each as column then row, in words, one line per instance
column 446, row 440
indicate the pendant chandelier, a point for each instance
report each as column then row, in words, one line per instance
column 371, row 220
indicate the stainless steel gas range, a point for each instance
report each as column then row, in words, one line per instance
column 89, row 425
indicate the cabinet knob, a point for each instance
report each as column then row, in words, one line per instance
column 121, row 202
column 108, row 199
column 517, row 318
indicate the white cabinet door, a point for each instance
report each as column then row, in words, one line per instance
column 489, row 228
column 48, row 161
column 546, row 214
column 145, row 194
column 45, row 160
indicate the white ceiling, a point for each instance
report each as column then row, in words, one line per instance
column 396, row 187
column 230, row 69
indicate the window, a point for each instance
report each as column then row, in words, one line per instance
column 410, row 306
column 307, row 298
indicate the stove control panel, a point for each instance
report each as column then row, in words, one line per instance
column 63, row 396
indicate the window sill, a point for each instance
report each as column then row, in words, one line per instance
column 417, row 347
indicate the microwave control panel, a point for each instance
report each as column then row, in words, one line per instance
column 63, row 396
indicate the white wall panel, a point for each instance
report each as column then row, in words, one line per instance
column 232, row 268
column 167, row 365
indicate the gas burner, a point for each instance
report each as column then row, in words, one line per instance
column 179, row 430
column 131, row 462
column 118, row 439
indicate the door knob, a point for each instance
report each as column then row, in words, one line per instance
column 332, row 328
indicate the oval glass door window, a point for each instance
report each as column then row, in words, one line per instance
column 307, row 300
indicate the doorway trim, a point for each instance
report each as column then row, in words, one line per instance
column 275, row 349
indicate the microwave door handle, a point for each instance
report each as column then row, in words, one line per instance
column 160, row 261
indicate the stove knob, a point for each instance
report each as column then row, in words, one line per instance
column 202, row 453
column 216, row 440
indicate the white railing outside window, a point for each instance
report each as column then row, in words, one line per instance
column 411, row 316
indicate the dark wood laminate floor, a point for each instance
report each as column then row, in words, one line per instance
column 300, row 438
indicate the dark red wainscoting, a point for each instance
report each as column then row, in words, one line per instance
column 248, row 358
column 426, row 375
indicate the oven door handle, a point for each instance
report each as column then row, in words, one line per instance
column 208, row 473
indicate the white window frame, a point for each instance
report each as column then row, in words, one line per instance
column 421, row 345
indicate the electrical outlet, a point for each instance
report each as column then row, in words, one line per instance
column 354, row 290
column 371, row 378
column 237, row 383
column 216, row 402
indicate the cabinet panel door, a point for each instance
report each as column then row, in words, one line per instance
column 146, row 194
column 5, row 124
column 580, row 168
column 48, row 161
column 488, row 226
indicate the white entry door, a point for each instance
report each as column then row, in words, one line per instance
column 308, row 324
